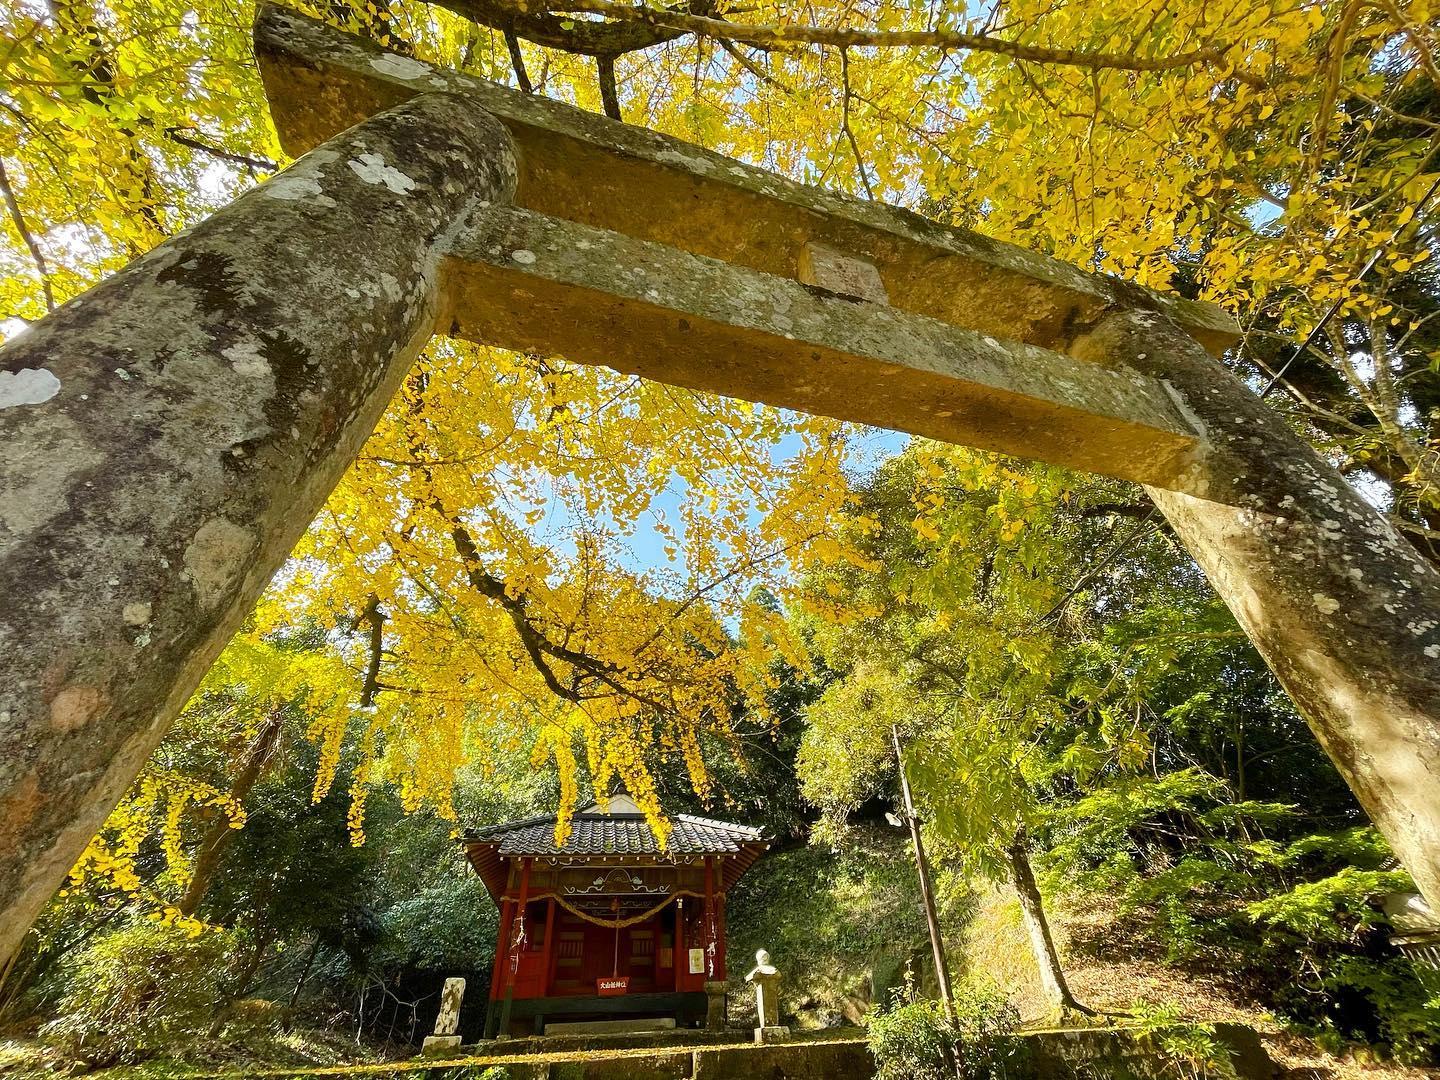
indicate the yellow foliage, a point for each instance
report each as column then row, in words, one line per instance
column 493, row 515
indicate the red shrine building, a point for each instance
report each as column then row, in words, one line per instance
column 608, row 926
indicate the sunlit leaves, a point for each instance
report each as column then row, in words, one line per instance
column 632, row 521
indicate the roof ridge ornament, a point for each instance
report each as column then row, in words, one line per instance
column 618, row 804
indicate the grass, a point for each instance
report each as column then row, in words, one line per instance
column 241, row 1054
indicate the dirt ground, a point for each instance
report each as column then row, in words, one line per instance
column 1105, row 975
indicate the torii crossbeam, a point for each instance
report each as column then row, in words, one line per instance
column 166, row 437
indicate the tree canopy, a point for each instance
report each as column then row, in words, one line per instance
column 472, row 586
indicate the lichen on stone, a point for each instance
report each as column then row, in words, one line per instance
column 28, row 386
column 371, row 169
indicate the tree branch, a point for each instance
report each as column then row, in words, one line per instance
column 486, row 584
column 609, row 93
column 176, row 135
column 845, row 124
column 658, row 20
column 540, row 648
column 1098, row 567
column 1136, row 511
column 517, row 60
column 18, row 220
column 1334, row 68
column 376, row 618
column 220, row 833
column 755, row 69
column 537, row 646
column 698, row 594
column 553, row 31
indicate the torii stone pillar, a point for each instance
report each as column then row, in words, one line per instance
column 165, row 438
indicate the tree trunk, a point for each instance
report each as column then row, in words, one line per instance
column 1032, row 910
column 243, row 981
column 218, row 837
column 927, row 892
column 305, row 971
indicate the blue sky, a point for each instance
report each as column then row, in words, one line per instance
column 867, row 451
column 646, row 550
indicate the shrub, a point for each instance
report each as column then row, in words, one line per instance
column 987, row 1023
column 1241, row 888
column 915, row 1041
column 138, row 990
column 1193, row 1051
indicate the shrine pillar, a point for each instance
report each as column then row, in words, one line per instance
column 682, row 962
column 720, row 962
column 548, row 961
column 710, row 936
column 514, row 947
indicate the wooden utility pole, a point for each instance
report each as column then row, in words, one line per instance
column 922, row 867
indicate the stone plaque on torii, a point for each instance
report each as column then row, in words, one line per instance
column 166, row 437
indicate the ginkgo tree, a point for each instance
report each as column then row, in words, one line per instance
column 472, row 603
column 1278, row 157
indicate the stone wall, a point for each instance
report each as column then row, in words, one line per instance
column 792, row 1061
column 1083, row 1054
column 1123, row 1055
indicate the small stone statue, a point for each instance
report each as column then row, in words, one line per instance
column 447, row 1025
column 766, row 979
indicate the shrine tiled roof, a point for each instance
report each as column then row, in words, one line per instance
column 623, row 831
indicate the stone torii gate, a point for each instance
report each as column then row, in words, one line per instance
column 166, row 437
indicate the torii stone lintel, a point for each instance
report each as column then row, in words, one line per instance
column 527, row 281
column 590, row 169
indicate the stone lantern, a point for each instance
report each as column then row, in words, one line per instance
column 766, row 979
